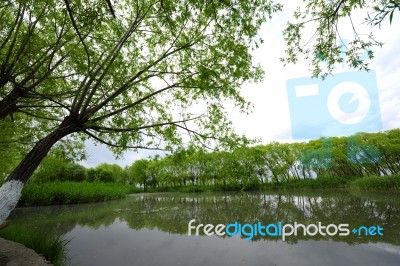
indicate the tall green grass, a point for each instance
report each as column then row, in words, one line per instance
column 52, row 248
column 58, row 193
column 386, row 183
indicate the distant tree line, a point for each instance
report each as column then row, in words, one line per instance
column 364, row 154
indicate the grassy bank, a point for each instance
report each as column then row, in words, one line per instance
column 58, row 193
column 386, row 183
column 53, row 249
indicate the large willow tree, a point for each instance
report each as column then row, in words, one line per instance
column 136, row 74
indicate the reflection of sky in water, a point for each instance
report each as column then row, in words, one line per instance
column 383, row 247
column 119, row 245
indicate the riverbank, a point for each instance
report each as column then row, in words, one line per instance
column 51, row 248
column 12, row 253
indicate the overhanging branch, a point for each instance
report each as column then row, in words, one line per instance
column 116, row 130
column 120, row 146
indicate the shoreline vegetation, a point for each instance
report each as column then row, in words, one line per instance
column 365, row 161
column 372, row 183
column 63, row 193
column 52, row 248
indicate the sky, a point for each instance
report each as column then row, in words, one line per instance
column 270, row 118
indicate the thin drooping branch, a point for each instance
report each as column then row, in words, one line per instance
column 132, row 104
column 71, row 16
column 113, row 130
column 52, row 99
column 197, row 137
column 195, row 133
column 119, row 146
column 39, row 116
column 111, row 8
column 336, row 11
column 20, row 13
column 5, row 63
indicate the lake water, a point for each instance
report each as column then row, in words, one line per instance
column 152, row 229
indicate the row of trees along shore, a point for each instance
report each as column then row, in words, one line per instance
column 361, row 155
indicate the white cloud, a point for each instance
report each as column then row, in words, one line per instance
column 98, row 154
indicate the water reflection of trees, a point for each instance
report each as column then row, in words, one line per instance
column 172, row 212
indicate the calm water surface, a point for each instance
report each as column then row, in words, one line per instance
column 152, row 229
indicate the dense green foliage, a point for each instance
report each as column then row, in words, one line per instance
column 55, row 168
column 51, row 247
column 322, row 163
column 59, row 169
column 330, row 162
column 57, row 193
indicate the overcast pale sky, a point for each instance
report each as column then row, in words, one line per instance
column 270, row 119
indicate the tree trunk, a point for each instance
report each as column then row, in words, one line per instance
column 8, row 105
column 10, row 191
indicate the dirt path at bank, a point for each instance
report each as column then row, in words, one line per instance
column 15, row 254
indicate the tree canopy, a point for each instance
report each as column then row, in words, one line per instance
column 128, row 80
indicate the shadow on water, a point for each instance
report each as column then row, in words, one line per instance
column 151, row 229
